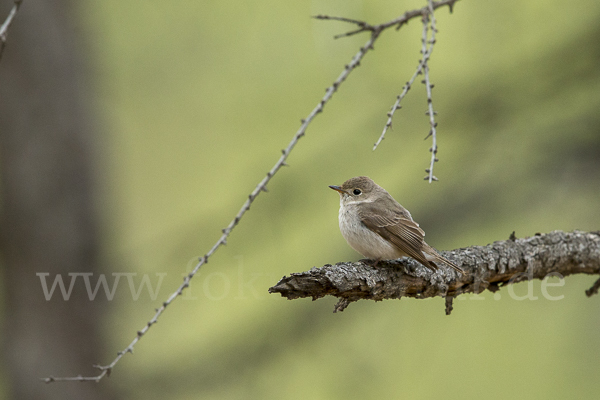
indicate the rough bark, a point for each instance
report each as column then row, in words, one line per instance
column 488, row 268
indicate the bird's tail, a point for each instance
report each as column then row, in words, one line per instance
column 450, row 264
column 432, row 256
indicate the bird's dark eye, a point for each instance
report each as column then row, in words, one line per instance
column 356, row 192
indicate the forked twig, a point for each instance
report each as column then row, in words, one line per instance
column 262, row 185
column 398, row 22
column 426, row 54
column 423, row 68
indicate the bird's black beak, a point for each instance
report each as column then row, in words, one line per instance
column 337, row 189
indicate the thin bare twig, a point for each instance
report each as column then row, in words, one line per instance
column 398, row 22
column 7, row 23
column 362, row 25
column 262, row 185
column 426, row 54
column 423, row 68
column 430, row 177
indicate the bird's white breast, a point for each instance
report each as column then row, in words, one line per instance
column 361, row 238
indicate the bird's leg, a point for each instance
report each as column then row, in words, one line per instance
column 370, row 261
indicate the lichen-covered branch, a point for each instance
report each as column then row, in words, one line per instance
column 488, row 268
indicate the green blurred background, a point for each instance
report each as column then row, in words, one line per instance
column 195, row 100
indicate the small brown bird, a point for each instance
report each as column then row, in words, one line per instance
column 378, row 227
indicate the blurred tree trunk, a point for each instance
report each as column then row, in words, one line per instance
column 48, row 221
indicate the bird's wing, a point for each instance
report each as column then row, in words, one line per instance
column 398, row 228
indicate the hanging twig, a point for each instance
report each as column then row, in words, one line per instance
column 426, row 54
column 433, row 125
column 429, row 23
column 262, row 185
